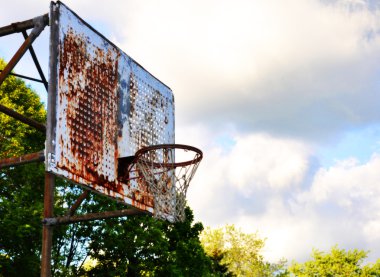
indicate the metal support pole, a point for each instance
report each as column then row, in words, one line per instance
column 47, row 231
column 32, row 123
column 21, row 26
column 39, row 26
column 28, row 158
column 91, row 216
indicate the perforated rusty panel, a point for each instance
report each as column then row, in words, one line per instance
column 105, row 108
column 149, row 116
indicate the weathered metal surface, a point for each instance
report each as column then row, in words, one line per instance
column 47, row 231
column 28, row 158
column 107, row 107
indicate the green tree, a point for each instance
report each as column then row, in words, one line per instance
column 338, row 262
column 21, row 188
column 238, row 252
column 143, row 246
column 16, row 138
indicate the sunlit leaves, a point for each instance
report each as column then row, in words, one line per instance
column 338, row 262
column 237, row 253
column 17, row 138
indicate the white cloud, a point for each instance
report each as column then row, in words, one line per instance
column 348, row 183
column 347, row 195
column 261, row 161
column 253, row 165
column 296, row 67
column 341, row 207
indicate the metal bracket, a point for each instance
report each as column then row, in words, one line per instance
column 21, row 26
column 51, row 161
column 51, row 221
column 39, row 24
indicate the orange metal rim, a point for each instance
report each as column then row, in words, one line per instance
column 197, row 159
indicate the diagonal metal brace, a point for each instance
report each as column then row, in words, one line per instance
column 39, row 25
column 28, row 158
column 77, row 203
column 37, row 64
column 32, row 123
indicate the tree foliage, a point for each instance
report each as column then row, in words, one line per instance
column 236, row 253
column 16, row 138
column 143, row 246
column 338, row 262
column 21, row 188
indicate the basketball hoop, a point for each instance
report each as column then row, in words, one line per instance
column 166, row 178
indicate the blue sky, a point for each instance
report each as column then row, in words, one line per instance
column 360, row 144
column 282, row 97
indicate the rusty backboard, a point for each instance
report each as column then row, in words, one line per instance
column 102, row 107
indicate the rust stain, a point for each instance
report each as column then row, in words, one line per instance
column 89, row 78
column 91, row 110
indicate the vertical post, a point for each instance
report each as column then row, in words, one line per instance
column 47, row 231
